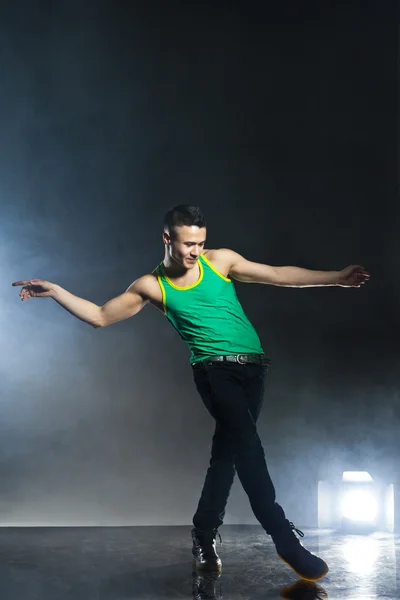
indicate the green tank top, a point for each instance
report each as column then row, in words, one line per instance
column 208, row 315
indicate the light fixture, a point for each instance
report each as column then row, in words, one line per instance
column 358, row 504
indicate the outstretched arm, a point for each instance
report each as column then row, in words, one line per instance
column 121, row 307
column 252, row 272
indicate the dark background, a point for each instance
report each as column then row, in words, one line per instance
column 280, row 123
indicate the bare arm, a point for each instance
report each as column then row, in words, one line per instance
column 121, row 307
column 244, row 270
column 124, row 306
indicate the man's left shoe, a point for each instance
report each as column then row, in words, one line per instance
column 308, row 566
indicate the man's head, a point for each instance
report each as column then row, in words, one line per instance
column 184, row 234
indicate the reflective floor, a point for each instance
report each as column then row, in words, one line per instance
column 154, row 562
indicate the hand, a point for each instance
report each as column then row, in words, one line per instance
column 35, row 288
column 353, row 276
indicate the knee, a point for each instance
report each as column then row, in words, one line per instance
column 250, row 444
column 238, row 441
column 226, row 457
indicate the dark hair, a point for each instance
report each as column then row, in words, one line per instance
column 183, row 214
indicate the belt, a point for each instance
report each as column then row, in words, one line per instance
column 241, row 359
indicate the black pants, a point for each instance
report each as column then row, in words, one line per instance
column 233, row 394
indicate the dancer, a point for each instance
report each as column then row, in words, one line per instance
column 194, row 288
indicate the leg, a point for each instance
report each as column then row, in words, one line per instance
column 220, row 475
column 217, row 486
column 221, row 472
column 233, row 395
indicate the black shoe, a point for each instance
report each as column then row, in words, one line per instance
column 204, row 551
column 292, row 552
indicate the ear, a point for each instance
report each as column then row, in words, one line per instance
column 166, row 238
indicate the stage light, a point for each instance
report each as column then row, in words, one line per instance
column 358, row 504
column 356, row 477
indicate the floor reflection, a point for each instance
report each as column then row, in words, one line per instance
column 205, row 586
column 361, row 554
column 208, row 587
column 304, row 590
column 154, row 563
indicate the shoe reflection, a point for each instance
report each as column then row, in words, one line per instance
column 304, row 590
column 204, row 586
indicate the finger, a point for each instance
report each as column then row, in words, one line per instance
column 363, row 272
column 23, row 282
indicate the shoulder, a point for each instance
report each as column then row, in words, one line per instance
column 218, row 252
column 222, row 259
column 146, row 286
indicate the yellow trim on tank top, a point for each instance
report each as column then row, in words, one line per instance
column 214, row 269
column 163, row 294
column 189, row 287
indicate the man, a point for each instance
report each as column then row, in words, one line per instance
column 193, row 287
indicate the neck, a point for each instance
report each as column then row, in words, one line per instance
column 173, row 267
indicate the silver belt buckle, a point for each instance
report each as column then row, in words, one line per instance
column 240, row 360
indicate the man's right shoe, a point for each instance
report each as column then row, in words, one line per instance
column 204, row 551
column 292, row 552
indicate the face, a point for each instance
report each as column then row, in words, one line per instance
column 186, row 244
